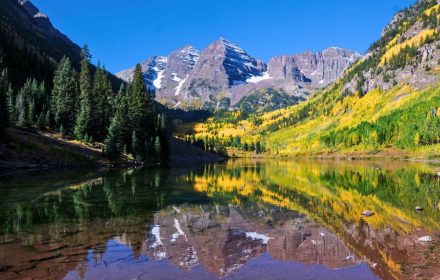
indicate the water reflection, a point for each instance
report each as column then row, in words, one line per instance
column 239, row 220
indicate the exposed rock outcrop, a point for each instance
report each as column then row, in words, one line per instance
column 223, row 74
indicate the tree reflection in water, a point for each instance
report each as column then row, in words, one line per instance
column 231, row 220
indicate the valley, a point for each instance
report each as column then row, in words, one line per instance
column 387, row 104
column 278, row 154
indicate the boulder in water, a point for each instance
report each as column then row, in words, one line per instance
column 419, row 208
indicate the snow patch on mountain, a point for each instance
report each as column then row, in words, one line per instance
column 179, row 86
column 157, row 83
column 257, row 79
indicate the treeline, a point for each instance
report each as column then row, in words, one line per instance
column 217, row 145
column 83, row 106
column 404, row 128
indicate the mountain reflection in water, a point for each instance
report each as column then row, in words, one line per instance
column 238, row 220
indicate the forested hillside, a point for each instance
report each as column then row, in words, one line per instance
column 84, row 107
column 49, row 87
column 388, row 101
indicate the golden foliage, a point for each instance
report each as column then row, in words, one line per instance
column 414, row 41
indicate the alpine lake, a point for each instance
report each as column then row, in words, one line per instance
column 242, row 219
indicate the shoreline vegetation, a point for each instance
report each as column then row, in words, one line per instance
column 33, row 150
column 387, row 153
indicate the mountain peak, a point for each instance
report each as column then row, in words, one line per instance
column 223, row 68
column 228, row 44
column 187, row 48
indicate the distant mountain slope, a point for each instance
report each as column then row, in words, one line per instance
column 389, row 101
column 223, row 74
column 31, row 46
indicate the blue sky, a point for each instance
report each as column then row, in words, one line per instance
column 122, row 33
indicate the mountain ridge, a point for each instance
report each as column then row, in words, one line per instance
column 223, row 73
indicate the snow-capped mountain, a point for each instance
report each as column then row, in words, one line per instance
column 180, row 63
column 153, row 69
column 223, row 73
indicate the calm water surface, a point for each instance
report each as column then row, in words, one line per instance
column 237, row 220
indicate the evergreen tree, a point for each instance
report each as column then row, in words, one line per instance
column 102, row 97
column 64, row 96
column 32, row 114
column 83, row 120
column 48, row 119
column 113, row 142
column 22, row 104
column 41, row 124
column 141, row 113
column 22, row 121
column 117, row 137
column 11, row 99
column 111, row 149
column 4, row 108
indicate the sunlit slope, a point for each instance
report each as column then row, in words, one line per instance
column 396, row 118
column 388, row 101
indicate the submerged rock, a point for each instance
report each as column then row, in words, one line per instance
column 367, row 213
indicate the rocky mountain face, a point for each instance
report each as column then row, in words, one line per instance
column 315, row 70
column 408, row 52
column 223, row 74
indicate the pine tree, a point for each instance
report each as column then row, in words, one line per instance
column 111, row 148
column 32, row 114
column 117, row 138
column 86, row 138
column 64, row 96
column 4, row 108
column 141, row 112
column 11, row 99
column 22, row 122
column 84, row 118
column 113, row 143
column 22, row 104
column 48, row 120
column 102, row 101
column 41, row 120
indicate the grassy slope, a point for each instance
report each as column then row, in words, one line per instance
column 38, row 150
column 34, row 150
